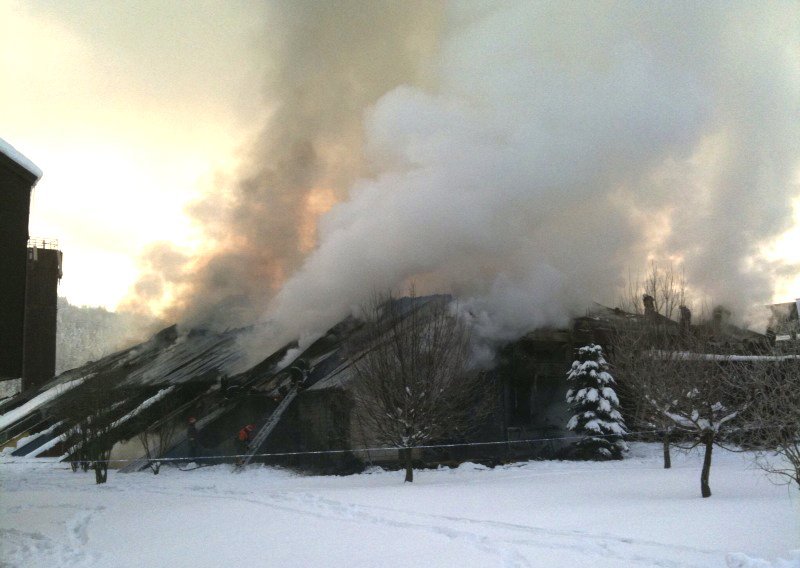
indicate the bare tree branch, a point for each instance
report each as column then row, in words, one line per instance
column 89, row 410
column 773, row 419
column 412, row 384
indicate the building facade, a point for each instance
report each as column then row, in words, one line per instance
column 18, row 176
column 44, row 270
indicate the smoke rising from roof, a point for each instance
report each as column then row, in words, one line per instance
column 524, row 156
column 325, row 63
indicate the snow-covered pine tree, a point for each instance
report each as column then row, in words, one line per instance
column 595, row 407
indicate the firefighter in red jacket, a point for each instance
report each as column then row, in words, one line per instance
column 243, row 438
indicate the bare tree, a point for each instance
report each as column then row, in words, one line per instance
column 687, row 393
column 678, row 382
column 773, row 418
column 647, row 381
column 703, row 400
column 89, row 411
column 644, row 384
column 157, row 438
column 412, row 385
column 663, row 283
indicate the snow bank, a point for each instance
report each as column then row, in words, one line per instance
column 532, row 514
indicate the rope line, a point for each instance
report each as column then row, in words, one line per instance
column 146, row 461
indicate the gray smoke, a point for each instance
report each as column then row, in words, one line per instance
column 524, row 156
column 565, row 144
column 325, row 63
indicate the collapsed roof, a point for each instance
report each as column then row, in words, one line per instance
column 197, row 369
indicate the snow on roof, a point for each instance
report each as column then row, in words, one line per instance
column 720, row 357
column 186, row 359
column 16, row 156
column 13, row 415
column 147, row 403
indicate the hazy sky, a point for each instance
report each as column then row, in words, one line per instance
column 135, row 110
column 130, row 109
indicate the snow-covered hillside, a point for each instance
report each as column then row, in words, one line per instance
column 536, row 514
column 88, row 333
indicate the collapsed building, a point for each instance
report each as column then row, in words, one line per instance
column 301, row 402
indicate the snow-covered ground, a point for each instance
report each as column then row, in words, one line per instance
column 548, row 514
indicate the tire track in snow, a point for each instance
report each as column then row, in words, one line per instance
column 599, row 545
column 552, row 532
column 510, row 558
column 499, row 538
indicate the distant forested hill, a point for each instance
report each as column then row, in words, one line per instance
column 87, row 333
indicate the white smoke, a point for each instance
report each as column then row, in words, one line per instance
column 561, row 145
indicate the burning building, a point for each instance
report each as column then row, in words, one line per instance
column 301, row 399
column 521, row 156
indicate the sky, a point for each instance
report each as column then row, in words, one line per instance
column 197, row 153
column 131, row 109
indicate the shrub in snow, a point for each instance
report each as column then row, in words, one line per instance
column 595, row 407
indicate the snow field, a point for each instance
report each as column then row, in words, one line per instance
column 532, row 514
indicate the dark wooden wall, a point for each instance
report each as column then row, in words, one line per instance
column 41, row 307
column 15, row 192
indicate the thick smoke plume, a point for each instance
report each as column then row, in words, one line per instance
column 326, row 62
column 522, row 155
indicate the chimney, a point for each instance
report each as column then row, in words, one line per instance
column 686, row 317
column 719, row 317
column 649, row 306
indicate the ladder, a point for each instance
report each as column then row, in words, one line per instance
column 265, row 430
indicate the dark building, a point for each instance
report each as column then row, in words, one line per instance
column 18, row 175
column 41, row 306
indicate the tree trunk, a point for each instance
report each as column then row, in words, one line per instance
column 406, row 454
column 667, row 458
column 101, row 466
column 708, row 441
column 100, row 472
